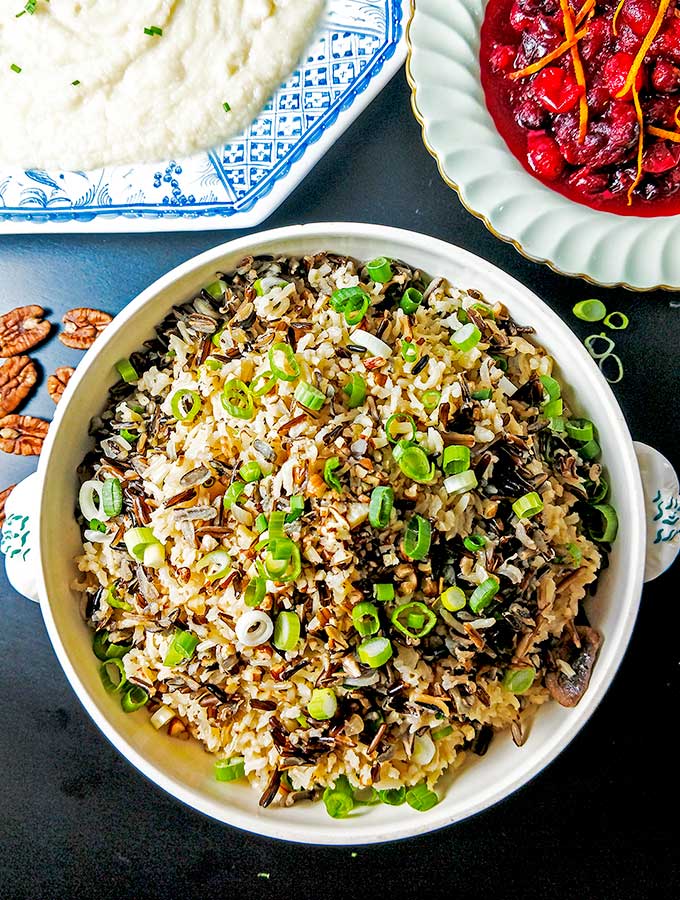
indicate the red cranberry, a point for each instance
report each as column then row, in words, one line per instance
column 597, row 36
column 519, row 19
column 638, row 15
column 668, row 41
column 555, row 90
column 598, row 100
column 586, row 181
column 622, row 123
column 660, row 158
column 543, row 156
column 616, row 71
column 665, row 77
column 502, row 58
column 627, row 39
column 530, row 115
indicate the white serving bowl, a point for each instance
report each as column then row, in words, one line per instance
column 447, row 97
column 41, row 538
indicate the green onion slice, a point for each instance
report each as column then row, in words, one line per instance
column 112, row 497
column 527, row 506
column 216, row 289
column 114, row 600
column 461, row 483
column 182, row 647
column 126, row 371
column 410, row 300
column 250, row 471
column 103, row 649
column 375, row 652
column 552, row 387
column 591, row 450
column 134, row 698
column 297, row 508
column 455, row 460
column 518, row 681
column 413, row 462
column 590, row 310
column 339, row 799
column 474, row 542
column 340, row 299
column 431, row 399
column 280, row 568
column 309, row 396
column 261, row 523
column 414, row 619
column 232, row 494
column 609, row 525
column 380, row 506
column 356, row 308
column 394, row 431
column 483, row 394
column 421, row 798
column 483, row 594
column 286, row 631
column 437, row 734
column 581, row 430
column 112, row 674
column 231, row 769
column 216, row 563
column 453, row 599
column 137, row 540
column 323, row 704
column 277, row 519
column 355, row 389
column 283, row 363
column 379, row 270
column 329, row 477
column 409, row 351
column 262, row 384
column 383, row 592
column 466, row 337
column 237, row 399
column 417, row 537
column 616, row 324
column 255, row 591
column 185, row 405
column 576, row 554
column 393, row 796
column 365, row 618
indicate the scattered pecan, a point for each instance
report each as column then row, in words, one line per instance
column 3, row 499
column 17, row 377
column 21, row 329
column 56, row 384
column 82, row 325
column 23, row 435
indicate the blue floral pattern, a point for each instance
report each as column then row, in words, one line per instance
column 355, row 40
column 14, row 538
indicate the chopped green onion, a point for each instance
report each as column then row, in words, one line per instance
column 129, row 435
column 339, row 799
column 575, row 553
column 137, row 540
column 15, row 68
column 375, row 652
column 134, row 698
column 461, row 483
column 437, row 734
column 410, row 300
column 226, row 107
column 430, row 400
column 417, row 537
column 114, row 601
column 283, row 569
column 484, row 394
column 103, row 648
column 365, row 618
column 343, row 296
column 556, row 424
column 483, row 310
column 590, row 310
column 591, row 450
column 97, row 525
column 268, row 382
column 216, row 339
column 329, row 477
column 217, row 564
column 397, row 420
column 237, row 399
column 213, row 364
column 455, row 459
column 610, row 524
column 355, row 389
column 154, row 31
column 255, row 591
column 250, row 471
column 413, row 462
column 323, row 704
column 552, row 387
column 518, row 681
column 380, row 506
column 182, row 647
column 423, row 623
column 297, row 508
column 232, row 769
column 409, row 351
column 261, row 523
column 466, row 337
column 453, row 599
column 185, row 405
column 277, row 520
column 483, row 594
column 393, row 796
column 379, row 270
column 501, row 362
column 421, row 798
column 309, row 396
column 283, row 363
column 581, row 430
column 527, row 506
column 474, row 542
column 216, row 289
column 616, row 324
column 356, row 308
column 264, row 285
column 232, row 494
column 154, row 555
column 127, row 371
column 112, row 497
column 112, row 674
column 597, row 492
column 286, row 631
column 553, row 409
column 383, row 592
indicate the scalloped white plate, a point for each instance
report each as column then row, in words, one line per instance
column 448, row 101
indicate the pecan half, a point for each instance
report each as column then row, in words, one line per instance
column 17, row 377
column 21, row 329
column 56, row 384
column 3, row 499
column 23, row 435
column 82, row 325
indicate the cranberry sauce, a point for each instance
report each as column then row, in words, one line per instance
column 542, row 118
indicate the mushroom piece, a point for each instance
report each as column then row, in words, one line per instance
column 568, row 690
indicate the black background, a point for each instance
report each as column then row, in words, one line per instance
column 77, row 821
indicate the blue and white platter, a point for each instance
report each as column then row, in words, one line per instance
column 357, row 48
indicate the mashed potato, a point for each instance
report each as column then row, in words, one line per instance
column 85, row 85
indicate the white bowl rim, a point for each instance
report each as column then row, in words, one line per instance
column 362, row 832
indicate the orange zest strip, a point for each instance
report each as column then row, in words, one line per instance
column 587, row 8
column 662, row 133
column 677, row 116
column 644, row 48
column 641, row 143
column 616, row 15
column 549, row 57
column 578, row 69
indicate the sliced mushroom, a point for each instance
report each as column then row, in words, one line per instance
column 569, row 690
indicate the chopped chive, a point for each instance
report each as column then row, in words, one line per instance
column 226, row 107
column 15, row 68
column 154, row 31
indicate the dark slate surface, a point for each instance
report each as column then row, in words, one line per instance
column 76, row 821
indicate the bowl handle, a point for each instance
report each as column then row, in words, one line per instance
column 19, row 538
column 662, row 508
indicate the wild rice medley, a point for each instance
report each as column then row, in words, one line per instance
column 338, row 525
